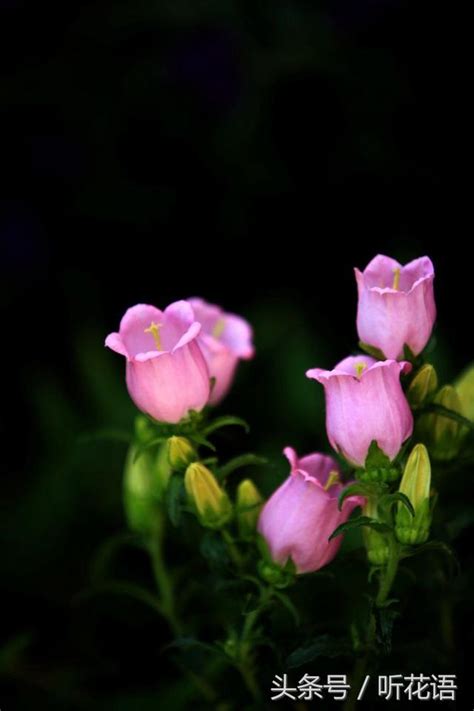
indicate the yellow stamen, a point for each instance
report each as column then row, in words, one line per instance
column 218, row 329
column 360, row 367
column 333, row 478
column 154, row 329
column 396, row 278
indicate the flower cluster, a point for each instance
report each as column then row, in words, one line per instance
column 365, row 407
column 387, row 419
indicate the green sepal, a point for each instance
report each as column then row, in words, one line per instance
column 225, row 421
column 371, row 351
column 388, row 501
column 243, row 460
column 359, row 489
column 358, row 522
column 377, row 467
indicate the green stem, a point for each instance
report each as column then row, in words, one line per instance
column 233, row 550
column 388, row 575
column 386, row 580
column 163, row 580
column 245, row 663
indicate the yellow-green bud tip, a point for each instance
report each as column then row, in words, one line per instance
column 210, row 501
column 180, row 452
column 249, row 504
column 416, row 479
column 423, row 386
column 465, row 390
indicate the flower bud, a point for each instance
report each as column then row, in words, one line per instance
column 423, row 386
column 465, row 390
column 375, row 542
column 415, row 484
column 210, row 501
column 180, row 452
column 442, row 434
column 145, row 479
column 249, row 503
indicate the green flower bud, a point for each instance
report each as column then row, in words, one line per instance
column 423, row 386
column 415, row 484
column 442, row 434
column 249, row 503
column 210, row 501
column 465, row 389
column 375, row 543
column 180, row 452
column 145, row 478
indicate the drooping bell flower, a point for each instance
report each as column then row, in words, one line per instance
column 224, row 339
column 365, row 402
column 166, row 373
column 302, row 513
column 396, row 305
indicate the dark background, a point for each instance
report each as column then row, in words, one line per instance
column 252, row 153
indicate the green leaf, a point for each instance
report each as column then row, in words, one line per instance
column 174, row 498
column 376, row 459
column 354, row 490
column 214, row 550
column 243, row 460
column 322, row 646
column 371, row 350
column 140, row 450
column 201, row 440
column 286, row 602
column 387, row 501
column 357, row 522
column 225, row 421
column 446, row 412
column 191, row 642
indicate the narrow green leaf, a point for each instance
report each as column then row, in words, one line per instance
column 225, row 421
column 149, row 445
column 446, row 412
column 322, row 646
column 387, row 501
column 353, row 490
column 243, row 460
column 201, row 440
column 286, row 602
column 357, row 522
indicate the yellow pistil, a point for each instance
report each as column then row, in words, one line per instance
column 154, row 329
column 218, row 329
column 396, row 279
column 333, row 478
column 360, row 367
